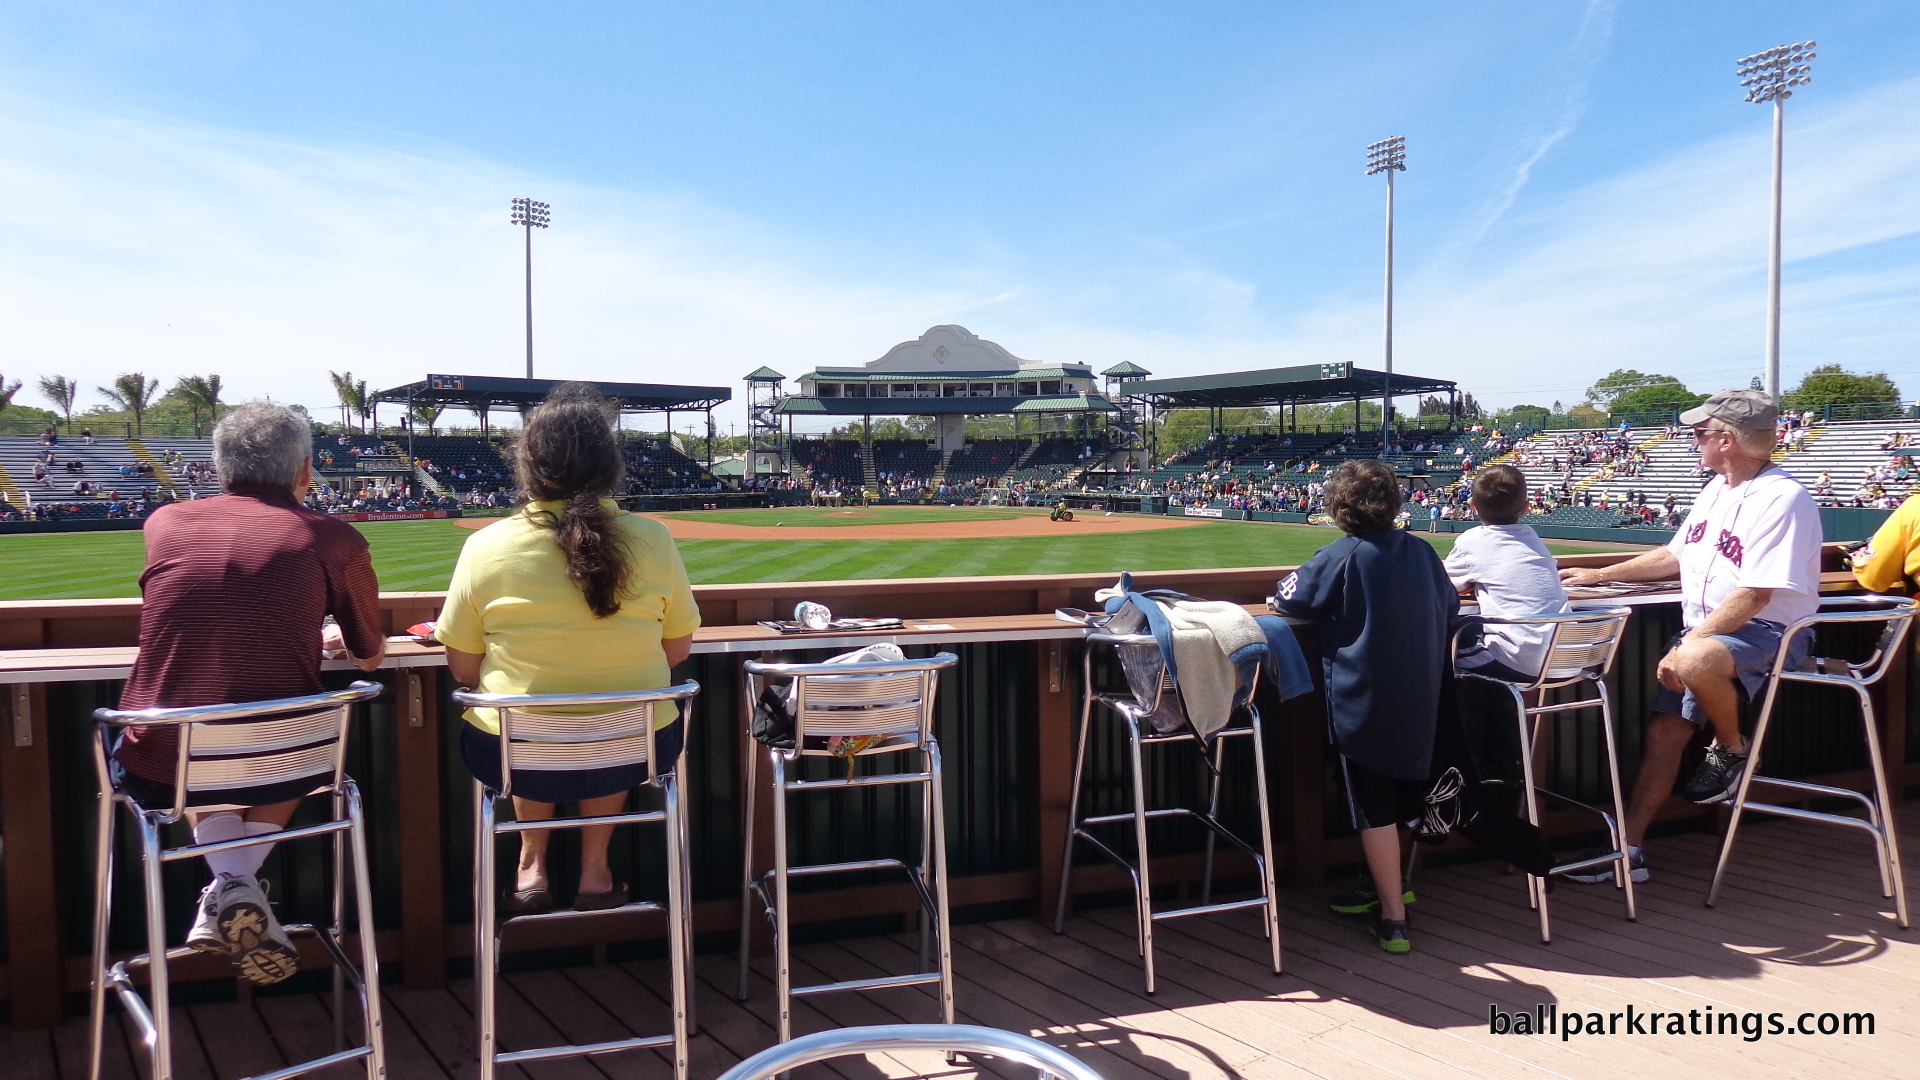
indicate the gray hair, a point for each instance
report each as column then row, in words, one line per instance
column 1756, row 442
column 263, row 444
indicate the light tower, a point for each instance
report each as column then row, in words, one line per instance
column 530, row 215
column 1387, row 156
column 1770, row 77
column 763, row 423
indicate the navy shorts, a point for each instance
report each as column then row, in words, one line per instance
column 1753, row 647
column 481, row 753
column 1375, row 799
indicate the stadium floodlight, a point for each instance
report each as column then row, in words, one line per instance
column 1386, row 156
column 1770, row 78
column 531, row 215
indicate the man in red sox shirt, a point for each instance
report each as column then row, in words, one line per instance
column 1748, row 560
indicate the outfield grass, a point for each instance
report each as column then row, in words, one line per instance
column 419, row 555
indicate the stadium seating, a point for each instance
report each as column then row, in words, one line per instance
column 101, row 466
column 831, row 462
column 1850, row 453
column 656, row 467
column 459, row 463
column 985, row 459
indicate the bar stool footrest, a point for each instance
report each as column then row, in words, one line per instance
column 1815, row 815
column 884, row 982
column 1211, row 909
column 1860, row 797
column 556, row 916
column 301, row 1069
column 550, row 1053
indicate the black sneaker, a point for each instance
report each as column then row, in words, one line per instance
column 1716, row 778
column 1392, row 935
column 1362, row 899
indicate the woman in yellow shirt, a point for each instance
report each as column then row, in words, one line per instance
column 569, row 595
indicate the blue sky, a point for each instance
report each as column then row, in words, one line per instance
column 271, row 190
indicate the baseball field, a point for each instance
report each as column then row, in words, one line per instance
column 793, row 544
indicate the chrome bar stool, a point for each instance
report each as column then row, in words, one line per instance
column 617, row 731
column 1580, row 647
column 222, row 747
column 1893, row 615
column 892, row 703
column 1133, row 709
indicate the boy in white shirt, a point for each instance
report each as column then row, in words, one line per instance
column 1511, row 574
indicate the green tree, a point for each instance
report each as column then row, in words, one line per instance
column 427, row 413
column 133, row 393
column 1831, row 384
column 63, row 392
column 1521, row 416
column 1611, row 388
column 1653, row 398
column 7, row 390
column 200, row 394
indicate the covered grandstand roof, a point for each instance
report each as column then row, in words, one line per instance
column 472, row 391
column 1303, row 385
column 932, row 406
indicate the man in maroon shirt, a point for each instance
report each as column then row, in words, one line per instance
column 236, row 596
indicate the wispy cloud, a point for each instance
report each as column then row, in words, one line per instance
column 1558, row 119
column 1663, row 268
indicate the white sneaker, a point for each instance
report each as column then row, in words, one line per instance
column 254, row 937
column 205, row 933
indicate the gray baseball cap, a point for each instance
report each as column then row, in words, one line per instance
column 1736, row 409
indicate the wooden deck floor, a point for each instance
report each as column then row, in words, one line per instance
column 1801, row 928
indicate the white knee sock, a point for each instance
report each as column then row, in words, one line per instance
column 226, row 825
column 257, row 855
column 217, row 828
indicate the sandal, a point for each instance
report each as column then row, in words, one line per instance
column 527, row 902
column 601, row 901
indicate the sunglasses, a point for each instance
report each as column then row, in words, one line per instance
column 1699, row 431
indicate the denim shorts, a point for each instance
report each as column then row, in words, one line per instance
column 1753, row 647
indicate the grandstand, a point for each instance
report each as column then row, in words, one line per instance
column 108, row 477
column 656, row 467
column 1860, row 458
column 456, row 463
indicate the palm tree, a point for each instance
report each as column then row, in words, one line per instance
column 199, row 393
column 427, row 414
column 7, row 390
column 133, row 393
column 353, row 396
column 63, row 392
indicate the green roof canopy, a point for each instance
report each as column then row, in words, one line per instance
column 1302, row 385
column 1126, row 368
column 965, row 406
column 764, row 374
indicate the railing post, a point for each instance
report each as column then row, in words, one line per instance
column 34, row 908
column 417, row 748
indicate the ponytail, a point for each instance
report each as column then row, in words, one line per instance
column 568, row 451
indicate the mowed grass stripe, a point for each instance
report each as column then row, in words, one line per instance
column 419, row 556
